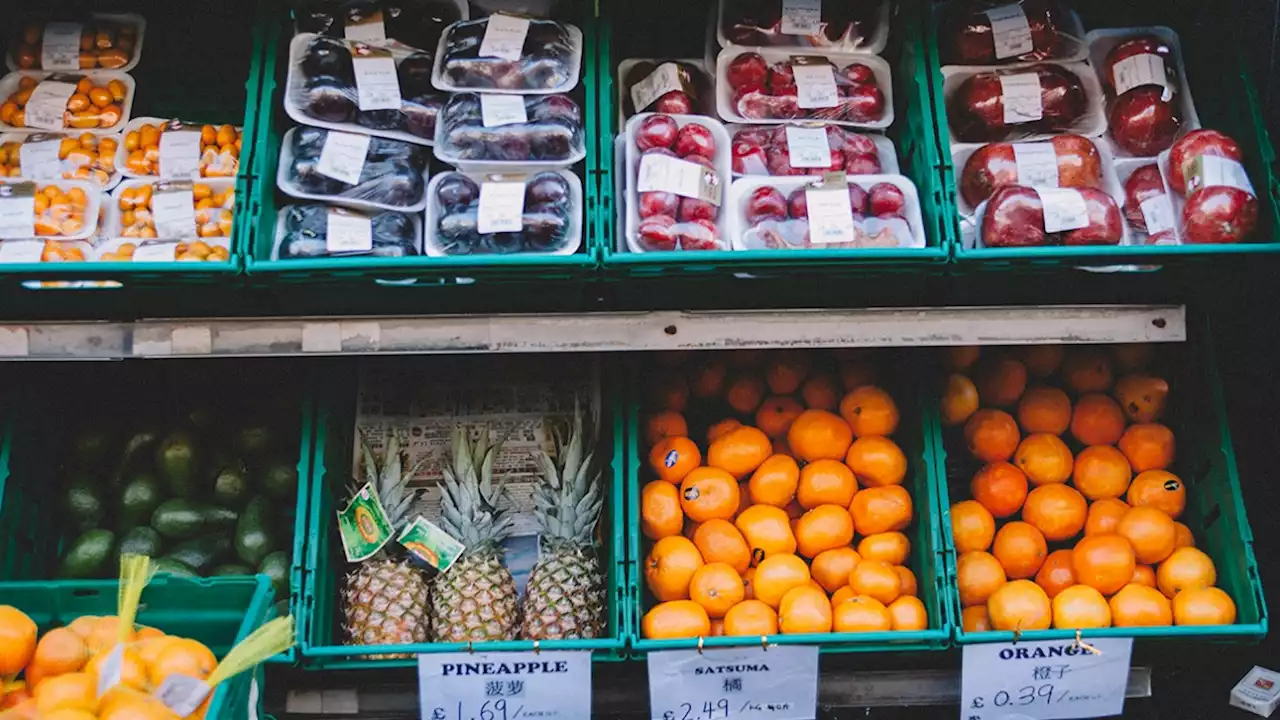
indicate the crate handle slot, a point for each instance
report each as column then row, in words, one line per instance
column 1212, row 516
column 85, row 592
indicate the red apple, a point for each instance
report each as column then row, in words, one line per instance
column 865, row 103
column 1143, row 123
column 654, row 204
column 858, row 74
column 694, row 209
column 858, row 199
column 798, row 204
column 695, row 139
column 1193, row 145
column 747, row 69
column 765, row 203
column 1105, row 226
column 886, row 199
column 781, row 76
column 976, row 109
column 698, row 235
column 780, row 163
column 1219, row 214
column 859, row 144
column 965, row 35
column 1144, row 184
column 855, row 164
column 753, row 136
column 1132, row 47
column 752, row 104
column 657, row 233
column 656, row 131
column 989, row 168
column 749, row 159
column 1014, row 218
column 675, row 103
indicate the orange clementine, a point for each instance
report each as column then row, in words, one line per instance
column 821, row 392
column 1080, row 607
column 1097, row 420
column 959, row 400
column 745, row 393
column 740, row 451
column 962, row 357
column 1104, row 516
column 1042, row 360
column 1020, row 548
column 1044, row 409
column 804, row 610
column 1103, row 562
column 870, row 410
column 881, row 509
column 707, row 378
column 776, row 415
column 825, row 482
column 675, row 619
column 891, row 547
column 767, row 530
column 775, row 481
column 972, row 526
column 59, row 651
column 823, row 528
column 831, row 567
column 909, row 585
column 722, row 428
column 877, row 579
column 1160, row 490
column 1019, row 605
column 777, row 574
column 974, row 619
column 669, row 391
column 876, row 461
column 670, row 566
column 1056, row 574
column 842, row 594
column 1132, row 356
column 786, row 370
column 1140, row 606
column 992, row 435
column 84, row 625
column 908, row 613
column 1148, row 446
column 978, row 574
column 708, row 493
column 1101, row 472
column 999, row 487
column 1184, row 537
column 819, row 435
column 17, row 640
column 751, row 617
column 1142, row 397
column 673, row 458
column 1087, row 370
column 716, row 587
column 1044, row 459
column 1001, row 382
column 667, row 423
column 718, row 541
column 1057, row 511
column 1151, row 533
column 1185, row 569
column 854, row 373
column 72, row 691
column 861, row 613
column 1144, row 575
column 1203, row 606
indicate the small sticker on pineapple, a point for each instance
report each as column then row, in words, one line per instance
column 182, row 693
column 432, row 545
column 363, row 525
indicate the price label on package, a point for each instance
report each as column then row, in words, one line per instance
column 174, row 206
column 808, row 147
column 180, row 153
column 499, row 110
column 156, row 252
column 667, row 174
column 1157, row 214
column 1020, row 95
column 815, row 85
column 780, row 683
column 21, row 251
column 377, row 85
column 1211, row 170
column 801, row 17
column 366, row 28
column 1142, row 69
column 60, row 46
column 501, row 207
column 342, row 156
column 48, row 104
column 39, row 159
column 1045, row 680
column 1010, row 31
column 664, row 79
column 1064, row 209
column 1037, row 164
column 348, row 232
column 504, row 37
column 830, row 215
column 18, row 210
column 505, row 686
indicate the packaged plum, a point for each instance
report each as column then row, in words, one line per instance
column 809, row 149
column 1214, row 199
column 677, row 172
column 64, row 156
column 1017, row 216
column 1148, row 100
column 362, row 88
column 488, row 130
column 502, row 214
column 1035, row 102
column 835, row 212
column 63, row 209
column 97, row 102
column 417, row 24
column 672, row 87
column 838, row 25
column 998, row 32
column 768, row 85
column 154, row 147
column 1068, row 161
column 353, row 170
column 318, row 231
column 104, row 41
column 509, row 54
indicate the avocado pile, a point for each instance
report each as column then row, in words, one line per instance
column 200, row 498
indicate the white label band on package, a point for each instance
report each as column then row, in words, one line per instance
column 39, row 160
column 1064, row 209
column 377, row 85
column 47, row 106
column 808, row 147
column 1010, row 31
column 60, row 46
column 830, row 216
column 815, row 86
column 664, row 79
column 17, row 211
column 801, row 17
column 1020, row 94
column 180, row 154
column 348, row 233
column 1138, row 70
column 1157, row 214
column 1037, row 164
column 501, row 207
column 499, row 110
column 175, row 213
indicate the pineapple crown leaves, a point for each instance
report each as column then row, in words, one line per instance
column 569, row 500
column 390, row 481
column 470, row 500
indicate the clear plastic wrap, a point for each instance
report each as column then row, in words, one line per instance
column 772, row 84
column 127, row 250
column 773, row 213
column 551, row 136
column 64, row 209
column 992, row 32
column 1035, row 102
column 392, row 175
column 839, row 25
column 97, row 102
column 548, row 60
column 82, row 156
column 1215, row 201
column 417, row 24
column 550, row 218
column 217, row 156
column 1020, row 216
column 302, row 231
column 324, row 89
column 686, row 89
column 101, row 40
column 1148, row 204
column 1148, row 99
column 675, row 201
column 766, row 150
column 138, row 211
column 1069, row 161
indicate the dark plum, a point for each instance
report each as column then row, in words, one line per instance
column 326, row 56
column 457, row 191
column 547, row 188
column 327, row 98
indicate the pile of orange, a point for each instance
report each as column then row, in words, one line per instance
column 1072, row 520
column 788, row 514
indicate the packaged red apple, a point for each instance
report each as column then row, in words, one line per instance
column 998, row 32
column 1148, row 204
column 828, row 213
column 673, row 87
column 840, row 25
column 809, row 149
column 1026, row 103
column 1068, row 161
column 1213, row 197
column 1017, row 216
column 771, row 84
column 677, row 173
column 1148, row 100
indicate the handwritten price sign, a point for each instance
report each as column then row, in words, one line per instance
column 1048, row 680
column 505, row 686
column 780, row 683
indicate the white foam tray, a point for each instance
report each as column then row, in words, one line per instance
column 21, row 136
column 287, row 186
column 9, row 85
column 129, row 18
column 573, row 239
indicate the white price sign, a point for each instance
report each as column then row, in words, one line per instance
column 815, row 86
column 501, row 207
column 1045, row 680
column 505, row 686
column 780, row 683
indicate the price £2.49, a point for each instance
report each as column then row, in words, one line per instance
column 722, row 708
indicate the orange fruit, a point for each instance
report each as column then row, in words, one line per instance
column 1057, row 511
column 908, row 613
column 776, row 415
column 804, row 610
column 673, row 458
column 751, row 617
column 1097, row 420
column 1104, row 516
column 722, row 428
column 775, row 481
column 718, row 541
column 1140, row 606
column 877, row 579
column 909, row 585
column 881, row 509
column 1044, row 409
column 999, row 487
column 133, row 671
column 825, row 482
column 1101, row 472
column 708, row 493
column 823, row 528
column 1142, row 397
column 1203, row 606
column 819, row 435
column 972, row 526
column 72, row 691
column 106, row 634
column 744, row 358
column 1149, row 446
column 974, row 619
column 870, row 410
column 1042, row 360
column 962, row 357
column 959, row 400
column 59, row 651
column 891, row 547
column 1103, row 562
column 676, row 619
column 745, row 393
column 1160, row 490
column 17, row 640
column 1020, row 548
column 1056, row 574
column 1020, row 605
column 1184, row 537
column 667, row 423
column 669, row 392
column 992, row 435
column 1044, row 459
column 1087, row 370
column 1186, row 569
column 856, row 370
column 1001, row 382
column 716, row 587
column 670, row 566
column 1132, row 356
column 777, row 574
column 978, row 574
column 876, row 461
column 1080, row 607
column 1151, row 533
column 786, row 370
column 843, row 594
column 831, row 567
column 707, row 378
column 767, row 530
column 861, row 613
column 740, row 451
column 821, row 392
column 1144, row 575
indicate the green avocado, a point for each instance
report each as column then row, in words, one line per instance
column 91, row 447
column 84, row 504
column 178, row 462
column 139, row 450
column 172, row 567
column 89, row 555
column 254, row 439
column 253, row 531
column 179, row 519
column 202, row 552
column 230, row 569
column 218, row 518
column 276, row 567
column 141, row 540
column 231, row 487
column 139, row 498
column 279, row 479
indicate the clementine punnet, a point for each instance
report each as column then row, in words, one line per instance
column 1203, row 606
column 667, row 423
column 1140, row 606
column 1056, row 510
column 861, row 613
column 891, row 547
column 959, row 400
column 978, row 574
column 722, row 428
column 673, row 458
column 881, row 509
column 767, row 530
column 1087, row 370
column 974, row 619
column 999, row 487
column 1184, row 537
column 1020, row 548
column 1056, row 574
column 751, row 617
column 823, row 528
column 972, row 526
column 1044, row 409
column 1020, row 605
column 962, row 357
column 1001, row 382
column 825, row 482
column 1151, row 533
column 908, row 613
column 831, row 568
column 708, row 493
column 877, row 579
column 1144, row 575
column 716, row 587
column 718, row 541
column 1160, row 490
column 909, row 585
column 786, row 370
column 1101, row 471
column 1097, row 420
column 991, row 435
column 1103, row 562
column 17, row 640
column 777, row 574
column 740, row 451
column 1142, row 397
column 819, row 435
column 676, row 619
column 1149, row 446
column 745, row 393
column 876, row 461
column 669, row 568
column 707, row 377
column 1186, row 569
column 804, row 610
column 775, row 481
column 1044, row 459
column 1080, row 607
column 870, row 410
column 821, row 392
column 1042, row 360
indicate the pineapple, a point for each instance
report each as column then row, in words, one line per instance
column 385, row 600
column 476, row 599
column 565, row 598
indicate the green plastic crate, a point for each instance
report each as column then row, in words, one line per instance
column 321, row 646
column 418, row 271
column 1226, row 99
column 35, row 440
column 927, row 562
column 1206, row 463
column 220, row 87
column 624, row 33
column 217, row 612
